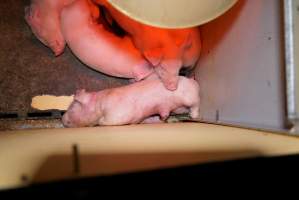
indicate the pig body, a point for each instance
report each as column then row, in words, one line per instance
column 131, row 104
column 191, row 43
column 167, row 49
column 99, row 48
column 43, row 16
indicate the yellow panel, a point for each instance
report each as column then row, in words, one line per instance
column 42, row 155
column 173, row 13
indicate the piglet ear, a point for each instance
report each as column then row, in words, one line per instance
column 81, row 96
column 154, row 56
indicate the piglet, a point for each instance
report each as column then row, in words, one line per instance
column 43, row 16
column 99, row 48
column 132, row 104
column 167, row 49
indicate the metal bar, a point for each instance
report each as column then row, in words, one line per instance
column 291, row 31
column 289, row 59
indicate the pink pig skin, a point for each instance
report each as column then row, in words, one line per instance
column 167, row 49
column 132, row 104
column 156, row 119
column 43, row 16
column 97, row 47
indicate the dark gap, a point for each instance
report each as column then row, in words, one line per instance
column 109, row 23
column 40, row 114
column 57, row 114
column 8, row 115
column 76, row 159
column 187, row 72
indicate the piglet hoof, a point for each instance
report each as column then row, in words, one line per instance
column 169, row 80
column 57, row 47
column 171, row 87
column 194, row 112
